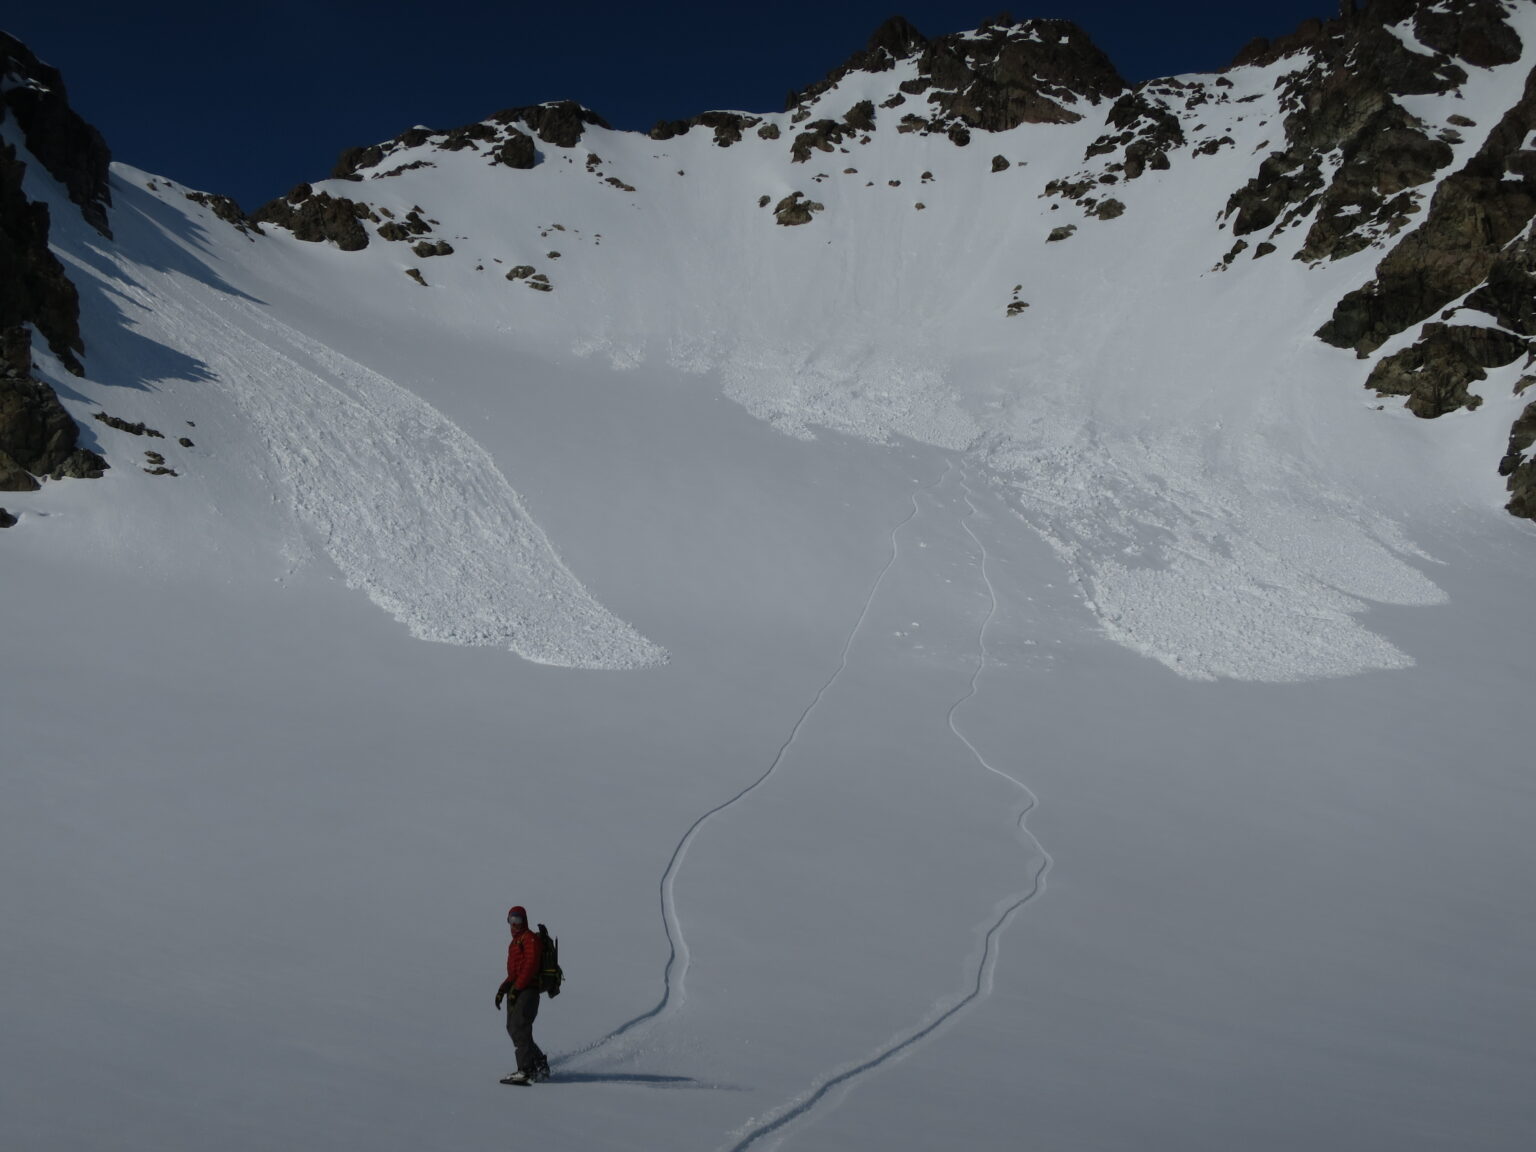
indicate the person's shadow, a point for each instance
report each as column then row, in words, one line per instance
column 643, row 1079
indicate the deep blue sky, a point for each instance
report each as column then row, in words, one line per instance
column 249, row 100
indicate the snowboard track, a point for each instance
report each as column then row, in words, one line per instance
column 801, row 1106
column 674, row 975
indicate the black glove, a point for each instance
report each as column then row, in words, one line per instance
column 504, row 991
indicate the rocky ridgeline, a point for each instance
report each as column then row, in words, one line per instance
column 37, row 436
column 1350, row 169
column 320, row 216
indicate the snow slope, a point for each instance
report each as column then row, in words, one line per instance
column 1095, row 728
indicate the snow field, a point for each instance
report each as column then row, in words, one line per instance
column 1279, row 911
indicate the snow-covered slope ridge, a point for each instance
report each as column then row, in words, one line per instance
column 986, row 243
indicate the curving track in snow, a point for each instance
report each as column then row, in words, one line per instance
column 803, row 1104
column 674, row 977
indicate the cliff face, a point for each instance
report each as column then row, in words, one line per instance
column 37, row 437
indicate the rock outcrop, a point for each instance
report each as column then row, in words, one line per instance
column 72, row 151
column 318, row 217
column 38, row 438
column 34, row 288
column 728, row 127
column 560, row 123
column 795, row 209
column 1474, row 215
column 227, row 210
column 1004, row 74
column 1344, row 103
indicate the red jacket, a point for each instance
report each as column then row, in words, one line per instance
column 523, row 956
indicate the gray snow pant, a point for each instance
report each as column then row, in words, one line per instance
column 521, row 1011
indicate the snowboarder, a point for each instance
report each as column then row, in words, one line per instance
column 521, row 991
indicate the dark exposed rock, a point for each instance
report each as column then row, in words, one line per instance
column 226, row 209
column 1061, row 233
column 427, row 248
column 6, row 519
column 1523, row 434
column 348, row 163
column 1004, row 75
column 33, row 287
column 823, row 135
column 861, row 117
column 540, row 283
column 795, row 209
column 1145, row 130
column 1521, row 471
column 560, row 122
column 1434, row 373
column 520, row 272
column 769, row 132
column 517, row 150
column 1370, row 192
column 1109, row 209
column 1474, row 215
column 415, row 274
column 38, row 437
column 457, row 139
column 728, row 127
column 1344, row 102
column 1000, row 164
column 318, row 216
column 394, row 230
column 161, row 470
column 1475, row 31
column 894, row 40
column 185, row 442
column 399, row 168
column 132, row 429
column 71, row 150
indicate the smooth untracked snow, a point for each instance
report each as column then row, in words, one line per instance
column 1092, row 729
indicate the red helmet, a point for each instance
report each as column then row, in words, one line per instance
column 517, row 913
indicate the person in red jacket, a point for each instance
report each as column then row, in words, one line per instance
column 521, row 991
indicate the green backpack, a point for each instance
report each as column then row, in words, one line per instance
column 550, row 975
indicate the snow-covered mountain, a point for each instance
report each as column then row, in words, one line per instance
column 1020, row 628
